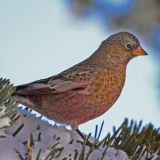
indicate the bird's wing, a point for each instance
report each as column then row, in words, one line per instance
column 73, row 79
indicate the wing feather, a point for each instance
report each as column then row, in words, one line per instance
column 76, row 78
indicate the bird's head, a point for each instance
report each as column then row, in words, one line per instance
column 121, row 47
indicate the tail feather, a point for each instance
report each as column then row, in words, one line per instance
column 22, row 100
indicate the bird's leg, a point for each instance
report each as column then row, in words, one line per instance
column 85, row 139
column 74, row 127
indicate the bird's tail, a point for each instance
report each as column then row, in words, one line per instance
column 22, row 99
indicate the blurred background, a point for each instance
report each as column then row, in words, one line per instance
column 41, row 38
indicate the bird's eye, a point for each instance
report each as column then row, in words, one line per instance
column 129, row 46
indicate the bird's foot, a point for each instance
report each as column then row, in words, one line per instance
column 86, row 140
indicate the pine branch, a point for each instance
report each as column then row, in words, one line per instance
column 29, row 137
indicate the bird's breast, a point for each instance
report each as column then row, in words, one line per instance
column 106, row 86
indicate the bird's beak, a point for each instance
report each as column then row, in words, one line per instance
column 140, row 52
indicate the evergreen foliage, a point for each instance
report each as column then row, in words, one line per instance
column 25, row 136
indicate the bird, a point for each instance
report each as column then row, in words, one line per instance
column 88, row 89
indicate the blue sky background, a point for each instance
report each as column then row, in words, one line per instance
column 39, row 39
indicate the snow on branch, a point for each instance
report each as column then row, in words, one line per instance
column 24, row 136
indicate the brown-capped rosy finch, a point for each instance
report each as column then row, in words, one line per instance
column 86, row 90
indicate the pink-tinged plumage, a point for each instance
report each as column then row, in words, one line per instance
column 86, row 90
